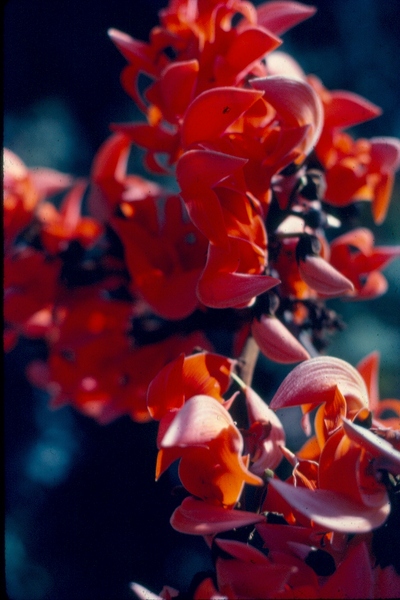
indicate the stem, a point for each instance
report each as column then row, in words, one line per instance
column 247, row 360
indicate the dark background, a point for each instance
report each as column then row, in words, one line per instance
column 83, row 514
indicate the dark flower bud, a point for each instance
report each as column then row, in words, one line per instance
column 314, row 185
column 308, row 245
column 315, row 218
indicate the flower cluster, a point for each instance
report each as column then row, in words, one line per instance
column 126, row 281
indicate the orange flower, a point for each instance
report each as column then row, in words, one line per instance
column 355, row 256
column 347, row 495
column 355, row 170
column 203, row 435
column 186, row 376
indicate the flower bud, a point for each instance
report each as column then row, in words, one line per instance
column 320, row 276
column 276, row 342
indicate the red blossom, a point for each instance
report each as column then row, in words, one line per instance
column 354, row 254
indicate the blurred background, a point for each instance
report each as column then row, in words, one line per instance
column 83, row 514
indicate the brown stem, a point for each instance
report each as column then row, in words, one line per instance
column 247, row 360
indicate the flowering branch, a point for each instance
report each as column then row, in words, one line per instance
column 129, row 285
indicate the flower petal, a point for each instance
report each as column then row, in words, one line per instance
column 211, row 113
column 276, row 341
column 268, row 454
column 200, row 518
column 353, row 576
column 225, row 290
column 314, row 381
column 199, row 421
column 279, row 16
column 165, row 392
column 143, row 593
column 332, row 510
column 248, row 572
column 345, row 109
column 323, row 277
column 387, row 457
column 368, row 367
column 296, row 103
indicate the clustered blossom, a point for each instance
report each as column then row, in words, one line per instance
column 124, row 280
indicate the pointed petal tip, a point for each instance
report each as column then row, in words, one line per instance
column 322, row 277
column 276, row 342
column 331, row 510
column 313, row 381
column 143, row 593
column 196, row 517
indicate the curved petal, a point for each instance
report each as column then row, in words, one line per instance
column 267, row 453
column 199, row 421
column 387, row 456
column 225, row 290
column 177, row 85
column 313, row 382
column 276, row 341
column 353, row 576
column 211, row 113
column 322, row 277
column 165, row 392
column 385, row 153
column 296, row 103
column 249, row 47
column 345, row 109
column 204, row 169
column 143, row 593
column 331, row 510
column 281, row 15
column 200, row 518
column 361, row 238
column 248, row 572
column 368, row 367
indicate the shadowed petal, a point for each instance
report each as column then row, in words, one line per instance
column 143, row 593
column 387, row 457
column 332, row 510
column 200, row 518
column 205, row 169
column 165, row 392
column 177, row 87
column 353, row 577
column 267, row 454
column 277, row 536
column 248, row 572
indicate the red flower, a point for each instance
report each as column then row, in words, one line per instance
column 24, row 189
column 365, row 169
column 353, row 253
column 60, row 227
column 347, row 495
column 31, row 287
